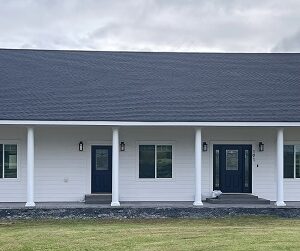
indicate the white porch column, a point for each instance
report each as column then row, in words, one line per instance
column 115, row 167
column 198, row 167
column 30, row 167
column 280, row 143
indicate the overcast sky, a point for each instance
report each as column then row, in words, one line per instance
column 152, row 25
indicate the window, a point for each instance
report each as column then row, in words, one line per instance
column 232, row 160
column 102, row 159
column 8, row 161
column 217, row 169
column 164, row 161
column 155, row 161
column 292, row 161
column 247, row 160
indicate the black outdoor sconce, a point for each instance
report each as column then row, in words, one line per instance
column 80, row 146
column 122, row 146
column 204, row 147
column 261, row 146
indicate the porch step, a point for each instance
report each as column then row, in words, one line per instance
column 237, row 199
column 99, row 198
column 227, row 196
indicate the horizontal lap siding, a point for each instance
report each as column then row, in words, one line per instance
column 12, row 190
column 62, row 172
column 292, row 190
column 180, row 188
column 60, row 181
column 263, row 176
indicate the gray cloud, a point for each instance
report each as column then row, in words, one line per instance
column 288, row 44
column 151, row 25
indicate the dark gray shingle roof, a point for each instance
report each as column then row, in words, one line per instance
column 130, row 86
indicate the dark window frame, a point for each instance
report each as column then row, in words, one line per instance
column 3, row 175
column 155, row 176
column 290, row 174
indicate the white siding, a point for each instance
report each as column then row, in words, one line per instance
column 62, row 173
column 182, row 184
column 14, row 189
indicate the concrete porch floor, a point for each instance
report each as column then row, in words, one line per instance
column 158, row 204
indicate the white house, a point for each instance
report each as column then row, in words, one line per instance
column 148, row 126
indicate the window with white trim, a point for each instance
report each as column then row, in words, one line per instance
column 8, row 161
column 155, row 161
column 292, row 161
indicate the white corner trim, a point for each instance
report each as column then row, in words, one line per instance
column 137, row 123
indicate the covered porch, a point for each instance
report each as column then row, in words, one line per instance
column 57, row 148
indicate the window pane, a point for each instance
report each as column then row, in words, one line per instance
column 147, row 161
column 217, row 169
column 288, row 161
column 102, row 159
column 297, row 160
column 10, row 161
column 1, row 161
column 247, row 168
column 164, row 161
column 232, row 160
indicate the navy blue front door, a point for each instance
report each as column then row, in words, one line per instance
column 101, row 169
column 232, row 168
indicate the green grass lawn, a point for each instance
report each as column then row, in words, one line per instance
column 255, row 233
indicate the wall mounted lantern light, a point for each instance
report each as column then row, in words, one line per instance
column 204, row 147
column 80, row 146
column 261, row 146
column 122, row 146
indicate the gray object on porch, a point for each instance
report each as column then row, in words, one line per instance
column 237, row 199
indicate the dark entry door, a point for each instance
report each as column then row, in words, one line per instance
column 101, row 169
column 232, row 168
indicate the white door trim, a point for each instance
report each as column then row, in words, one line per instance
column 229, row 142
column 88, row 151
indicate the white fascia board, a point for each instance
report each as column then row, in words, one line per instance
column 136, row 123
